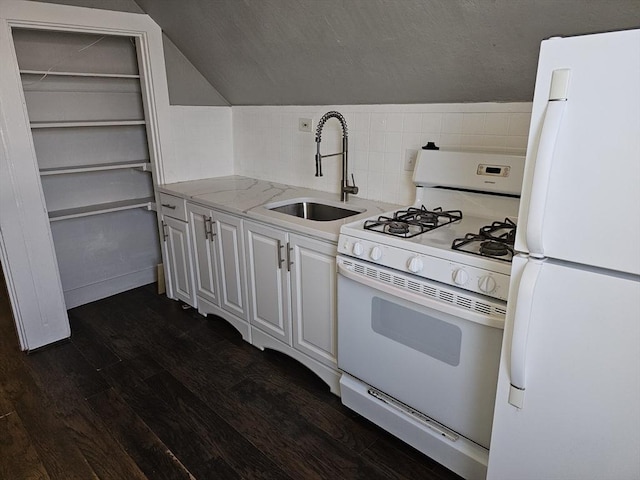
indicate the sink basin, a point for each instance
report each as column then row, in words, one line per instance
column 313, row 210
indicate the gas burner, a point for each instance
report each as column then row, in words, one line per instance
column 413, row 221
column 504, row 231
column 394, row 227
column 494, row 241
column 491, row 248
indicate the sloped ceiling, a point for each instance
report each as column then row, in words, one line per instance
column 280, row 52
column 315, row 52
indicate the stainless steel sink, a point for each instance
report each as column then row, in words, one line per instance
column 312, row 210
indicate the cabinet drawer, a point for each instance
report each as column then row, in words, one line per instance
column 172, row 206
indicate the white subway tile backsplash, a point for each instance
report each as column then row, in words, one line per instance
column 394, row 122
column 472, row 123
column 431, row 122
column 519, row 123
column 378, row 122
column 496, row 124
column 412, row 140
column 268, row 145
column 392, row 142
column 392, row 162
column 452, row 123
column 376, row 162
column 412, row 123
column 362, row 122
column 376, row 142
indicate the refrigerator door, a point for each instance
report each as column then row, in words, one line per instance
column 579, row 356
column 580, row 198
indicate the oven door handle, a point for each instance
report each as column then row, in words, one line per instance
column 451, row 309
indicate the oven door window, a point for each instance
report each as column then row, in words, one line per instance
column 417, row 330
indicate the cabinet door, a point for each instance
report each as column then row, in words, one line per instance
column 232, row 292
column 313, row 298
column 179, row 253
column 268, row 281
column 204, row 255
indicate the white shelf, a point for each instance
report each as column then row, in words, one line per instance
column 77, row 74
column 98, row 123
column 144, row 165
column 148, row 203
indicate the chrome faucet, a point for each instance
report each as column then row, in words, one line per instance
column 345, row 188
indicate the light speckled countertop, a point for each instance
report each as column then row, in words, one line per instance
column 246, row 196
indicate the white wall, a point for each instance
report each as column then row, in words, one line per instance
column 269, row 146
column 202, row 143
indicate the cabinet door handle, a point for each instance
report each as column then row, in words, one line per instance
column 206, row 227
column 168, row 205
column 289, row 262
column 211, row 232
column 164, row 231
column 280, row 259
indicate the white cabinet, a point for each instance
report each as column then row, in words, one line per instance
column 292, row 297
column 231, row 268
column 268, row 280
column 218, row 261
column 179, row 275
column 204, row 255
column 313, row 298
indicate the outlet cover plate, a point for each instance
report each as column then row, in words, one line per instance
column 410, row 159
column 304, row 125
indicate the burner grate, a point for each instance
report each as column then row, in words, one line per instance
column 413, row 221
column 494, row 241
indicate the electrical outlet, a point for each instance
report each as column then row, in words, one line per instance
column 304, row 124
column 410, row 159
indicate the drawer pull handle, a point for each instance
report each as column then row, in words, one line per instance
column 168, row 205
column 289, row 262
column 280, row 259
column 211, row 232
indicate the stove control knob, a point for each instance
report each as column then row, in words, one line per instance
column 358, row 249
column 376, row 253
column 460, row 277
column 487, row 284
column 415, row 265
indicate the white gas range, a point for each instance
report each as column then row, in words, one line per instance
column 421, row 304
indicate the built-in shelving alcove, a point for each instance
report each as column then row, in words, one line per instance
column 85, row 106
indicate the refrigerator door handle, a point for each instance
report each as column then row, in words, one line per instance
column 542, row 170
column 521, row 320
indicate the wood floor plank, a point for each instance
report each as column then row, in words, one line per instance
column 92, row 348
column 5, row 403
column 68, row 379
column 59, row 454
column 66, row 374
column 18, row 457
column 150, row 454
column 342, row 462
column 320, row 408
column 236, row 450
column 393, row 455
column 182, row 434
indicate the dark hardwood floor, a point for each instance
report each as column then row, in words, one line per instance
column 145, row 389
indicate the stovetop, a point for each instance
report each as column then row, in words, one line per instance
column 425, row 246
column 412, row 221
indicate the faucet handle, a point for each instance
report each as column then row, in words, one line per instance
column 352, row 189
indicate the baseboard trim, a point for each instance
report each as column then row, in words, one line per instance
column 106, row 288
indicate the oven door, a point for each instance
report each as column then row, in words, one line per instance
column 398, row 335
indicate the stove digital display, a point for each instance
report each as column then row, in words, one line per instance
column 494, row 170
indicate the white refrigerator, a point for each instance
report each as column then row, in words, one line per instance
column 568, row 399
